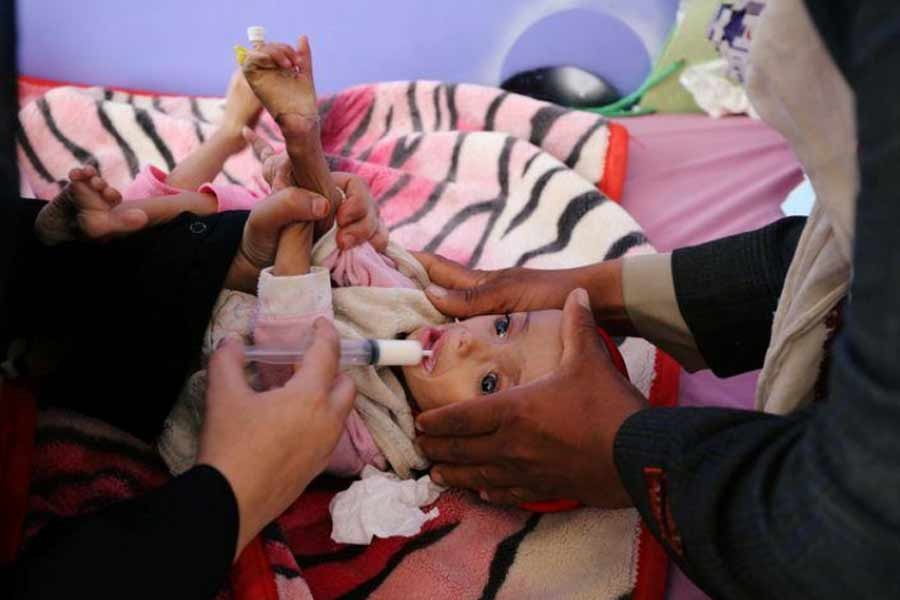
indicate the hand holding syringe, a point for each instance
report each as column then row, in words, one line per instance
column 354, row 353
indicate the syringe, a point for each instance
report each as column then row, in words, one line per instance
column 354, row 353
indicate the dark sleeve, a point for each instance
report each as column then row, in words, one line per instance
column 728, row 289
column 133, row 312
column 803, row 506
column 136, row 310
column 175, row 542
column 9, row 172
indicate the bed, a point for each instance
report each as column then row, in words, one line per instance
column 733, row 177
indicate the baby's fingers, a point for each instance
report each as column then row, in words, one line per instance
column 112, row 196
column 261, row 148
column 283, row 54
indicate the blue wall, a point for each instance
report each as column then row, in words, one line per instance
column 184, row 46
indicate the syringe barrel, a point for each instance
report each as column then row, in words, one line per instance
column 354, row 353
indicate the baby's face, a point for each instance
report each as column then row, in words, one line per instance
column 484, row 355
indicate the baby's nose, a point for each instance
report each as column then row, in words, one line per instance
column 464, row 343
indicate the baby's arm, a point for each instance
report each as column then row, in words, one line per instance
column 162, row 209
column 294, row 250
column 90, row 208
column 288, row 305
column 205, row 163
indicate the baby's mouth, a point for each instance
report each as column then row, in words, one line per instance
column 431, row 340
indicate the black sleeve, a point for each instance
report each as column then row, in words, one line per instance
column 179, row 540
column 728, row 289
column 133, row 311
column 9, row 171
column 802, row 506
column 136, row 310
column 175, row 542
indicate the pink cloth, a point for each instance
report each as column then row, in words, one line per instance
column 152, row 181
column 365, row 266
column 692, row 179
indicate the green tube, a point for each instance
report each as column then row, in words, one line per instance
column 616, row 109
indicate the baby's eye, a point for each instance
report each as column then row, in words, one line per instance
column 501, row 325
column 490, row 383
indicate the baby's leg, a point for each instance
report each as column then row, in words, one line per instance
column 205, row 163
column 283, row 81
column 162, row 209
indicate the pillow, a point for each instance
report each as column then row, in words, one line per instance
column 689, row 42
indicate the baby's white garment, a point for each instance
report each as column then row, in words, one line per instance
column 381, row 504
column 359, row 312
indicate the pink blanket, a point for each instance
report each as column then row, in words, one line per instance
column 487, row 178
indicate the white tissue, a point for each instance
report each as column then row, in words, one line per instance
column 383, row 505
column 714, row 92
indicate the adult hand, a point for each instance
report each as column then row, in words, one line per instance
column 263, row 230
column 547, row 440
column 460, row 292
column 270, row 445
column 357, row 215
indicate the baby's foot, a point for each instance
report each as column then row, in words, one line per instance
column 242, row 107
column 282, row 79
column 87, row 208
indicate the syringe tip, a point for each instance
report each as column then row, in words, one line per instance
column 427, row 353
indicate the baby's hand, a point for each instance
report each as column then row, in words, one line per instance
column 242, row 107
column 357, row 216
column 276, row 167
column 87, row 208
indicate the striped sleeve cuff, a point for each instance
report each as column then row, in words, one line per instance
column 649, row 293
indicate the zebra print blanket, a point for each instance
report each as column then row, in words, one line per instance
column 487, row 178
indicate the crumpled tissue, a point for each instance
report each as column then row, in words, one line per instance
column 714, row 92
column 381, row 504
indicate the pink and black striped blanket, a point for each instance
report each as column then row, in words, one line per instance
column 485, row 177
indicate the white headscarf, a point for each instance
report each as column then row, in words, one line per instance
column 798, row 90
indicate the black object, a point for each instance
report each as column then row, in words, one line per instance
column 165, row 284
column 9, row 172
column 564, row 85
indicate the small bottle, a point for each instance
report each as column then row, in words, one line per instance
column 256, row 34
